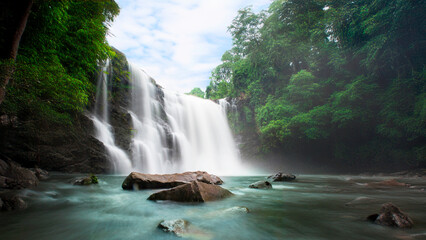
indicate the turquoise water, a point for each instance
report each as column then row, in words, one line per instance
column 313, row 207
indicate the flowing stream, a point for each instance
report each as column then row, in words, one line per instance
column 171, row 132
column 313, row 207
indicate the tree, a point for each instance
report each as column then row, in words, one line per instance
column 345, row 79
column 58, row 57
column 196, row 92
column 15, row 19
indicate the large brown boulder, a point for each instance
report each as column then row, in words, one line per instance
column 192, row 192
column 137, row 180
column 391, row 215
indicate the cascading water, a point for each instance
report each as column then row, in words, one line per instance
column 103, row 132
column 171, row 132
column 175, row 132
column 224, row 105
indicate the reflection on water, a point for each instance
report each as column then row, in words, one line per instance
column 314, row 207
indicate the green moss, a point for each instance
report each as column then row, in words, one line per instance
column 94, row 179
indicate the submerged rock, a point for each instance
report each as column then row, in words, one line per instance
column 192, row 192
column 178, row 227
column 10, row 201
column 387, row 183
column 13, row 176
column 183, row 228
column 237, row 209
column 261, row 185
column 282, row 177
column 92, row 179
column 391, row 215
column 137, row 180
column 228, row 212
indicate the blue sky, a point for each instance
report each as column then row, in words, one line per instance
column 177, row 42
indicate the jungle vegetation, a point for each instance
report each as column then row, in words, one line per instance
column 50, row 76
column 331, row 79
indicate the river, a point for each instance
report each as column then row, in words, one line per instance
column 313, row 207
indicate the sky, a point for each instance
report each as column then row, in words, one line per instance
column 177, row 42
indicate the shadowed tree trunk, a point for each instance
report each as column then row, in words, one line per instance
column 14, row 15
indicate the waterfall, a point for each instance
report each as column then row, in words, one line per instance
column 103, row 131
column 224, row 105
column 171, row 132
column 176, row 132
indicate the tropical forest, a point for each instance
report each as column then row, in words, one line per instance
column 212, row 119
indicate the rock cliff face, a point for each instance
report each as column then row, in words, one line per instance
column 242, row 122
column 73, row 148
column 119, row 95
column 70, row 148
column 55, row 147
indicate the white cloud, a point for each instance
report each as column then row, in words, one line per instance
column 178, row 42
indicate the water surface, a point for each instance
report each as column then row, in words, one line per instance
column 313, row 207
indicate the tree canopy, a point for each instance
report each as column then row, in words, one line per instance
column 60, row 49
column 197, row 92
column 336, row 80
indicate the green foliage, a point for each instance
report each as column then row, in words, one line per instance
column 94, row 179
column 345, row 79
column 355, row 102
column 382, row 36
column 220, row 80
column 196, row 92
column 46, row 90
column 403, row 115
column 302, row 90
column 58, row 56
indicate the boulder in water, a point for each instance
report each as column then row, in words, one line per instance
column 92, row 179
column 13, row 176
column 183, row 228
column 178, row 227
column 10, row 201
column 391, row 215
column 261, row 185
column 194, row 191
column 237, row 209
column 137, row 180
column 228, row 212
column 282, row 177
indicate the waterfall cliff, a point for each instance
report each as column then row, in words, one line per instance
column 170, row 132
